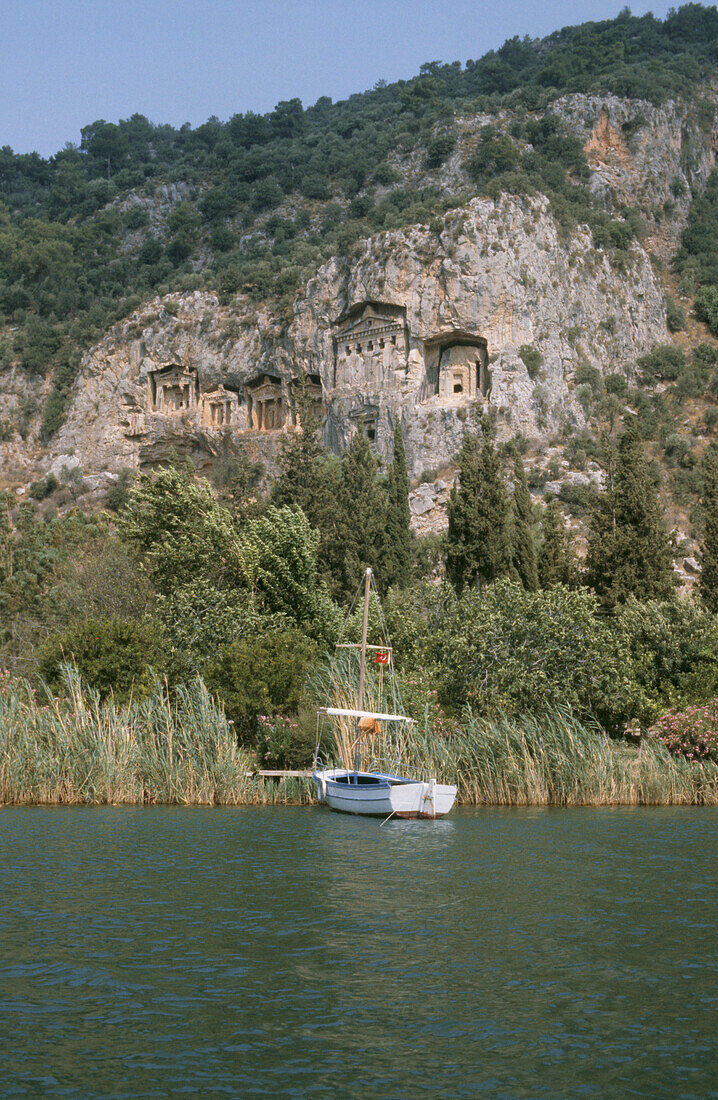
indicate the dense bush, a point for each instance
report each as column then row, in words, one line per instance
column 706, row 307
column 664, row 363
column 675, row 316
column 512, row 651
column 112, row 656
column 257, row 676
column 674, row 648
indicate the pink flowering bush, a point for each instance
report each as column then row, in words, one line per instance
column 691, row 733
column 286, row 741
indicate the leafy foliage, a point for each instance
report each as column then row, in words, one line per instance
column 709, row 555
column 255, row 676
column 511, row 651
column 628, row 549
column 112, row 656
column 691, row 733
column 522, row 536
column 397, row 541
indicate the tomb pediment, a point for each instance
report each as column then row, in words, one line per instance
column 370, row 341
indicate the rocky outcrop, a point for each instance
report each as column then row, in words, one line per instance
column 495, row 310
column 647, row 157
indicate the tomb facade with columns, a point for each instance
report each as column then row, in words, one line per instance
column 219, row 408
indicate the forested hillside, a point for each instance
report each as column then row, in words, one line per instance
column 257, row 203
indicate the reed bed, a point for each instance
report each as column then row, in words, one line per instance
column 551, row 760
column 554, row 760
column 74, row 749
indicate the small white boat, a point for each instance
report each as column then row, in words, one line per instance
column 379, row 794
column 376, row 793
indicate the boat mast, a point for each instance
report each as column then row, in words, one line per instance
column 365, row 625
column 362, row 666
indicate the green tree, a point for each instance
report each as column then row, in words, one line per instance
column 310, row 479
column 180, row 532
column 628, row 548
column 397, row 541
column 478, row 546
column 362, row 509
column 261, row 676
column 709, row 547
column 556, row 559
column 522, row 536
column 278, row 559
column 506, row 650
column 113, row 656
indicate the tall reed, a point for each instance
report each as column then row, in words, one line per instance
column 75, row 749
column 553, row 760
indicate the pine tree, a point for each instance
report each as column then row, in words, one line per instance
column 478, row 546
column 709, row 547
column 361, row 515
column 556, row 558
column 396, row 544
column 628, row 549
column 523, row 545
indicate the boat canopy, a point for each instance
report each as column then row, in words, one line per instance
column 342, row 713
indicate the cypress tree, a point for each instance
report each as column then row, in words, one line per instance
column 709, row 547
column 628, row 548
column 396, row 544
column 478, row 546
column 362, row 509
column 556, row 559
column 523, row 545
column 310, row 478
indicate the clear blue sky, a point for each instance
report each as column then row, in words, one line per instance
column 66, row 63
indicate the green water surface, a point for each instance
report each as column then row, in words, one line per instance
column 292, row 952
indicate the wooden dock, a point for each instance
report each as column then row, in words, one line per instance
column 270, row 773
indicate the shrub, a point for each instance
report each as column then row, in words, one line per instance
column 691, row 733
column 663, row 363
column 439, row 149
column 286, row 742
column 674, row 646
column 706, row 307
column 675, row 316
column 112, row 656
column 710, row 418
column 579, row 499
column 512, row 651
column 616, row 383
column 261, row 676
column 118, row 495
column 586, row 375
column 532, row 359
column 43, row 488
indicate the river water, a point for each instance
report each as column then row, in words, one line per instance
column 292, row 952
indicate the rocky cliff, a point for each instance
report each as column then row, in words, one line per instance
column 491, row 307
column 496, row 310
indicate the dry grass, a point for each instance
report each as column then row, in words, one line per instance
column 556, row 761
column 181, row 750
column 77, row 750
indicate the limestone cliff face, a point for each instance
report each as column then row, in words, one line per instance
column 646, row 156
column 495, row 310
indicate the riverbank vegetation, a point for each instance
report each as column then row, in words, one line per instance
column 201, row 622
column 74, row 749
